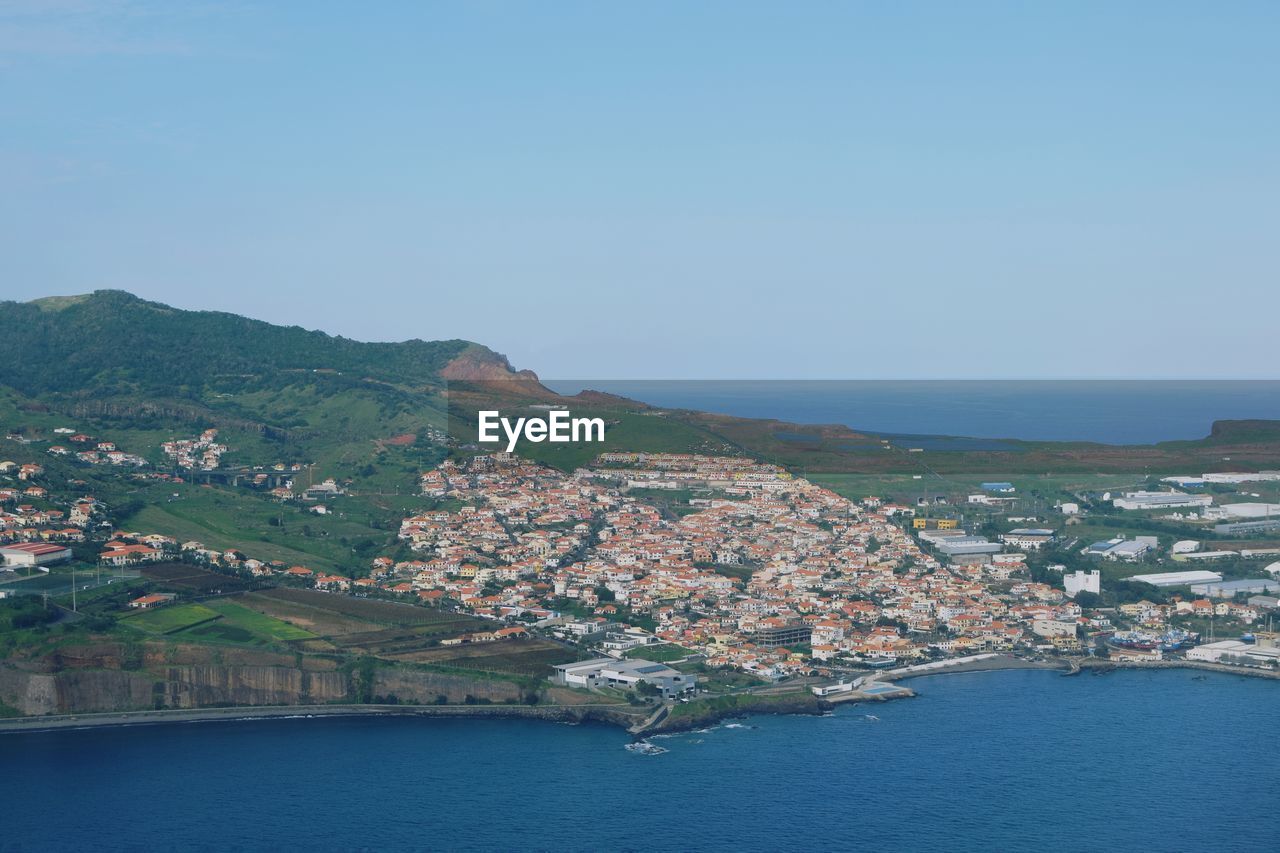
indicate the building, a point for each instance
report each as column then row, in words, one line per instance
column 784, row 635
column 155, row 599
column 1119, row 548
column 1235, row 652
column 1230, row 589
column 1250, row 510
column 626, row 674
column 1178, row 578
column 1052, row 628
column 935, row 523
column 127, row 555
column 1027, row 537
column 952, row 543
column 1199, row 556
column 1236, row 528
column 968, row 545
column 999, row 488
column 1237, row 477
column 823, row 690
column 1161, row 500
column 1082, row 581
column 32, row 554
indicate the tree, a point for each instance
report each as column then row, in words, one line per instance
column 1087, row 599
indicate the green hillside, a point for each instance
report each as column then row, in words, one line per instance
column 110, row 342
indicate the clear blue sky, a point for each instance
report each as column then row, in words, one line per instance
column 683, row 189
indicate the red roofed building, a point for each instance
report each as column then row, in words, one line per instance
column 32, row 554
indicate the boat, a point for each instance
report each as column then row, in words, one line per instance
column 1134, row 640
column 1176, row 639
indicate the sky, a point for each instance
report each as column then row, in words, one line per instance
column 668, row 189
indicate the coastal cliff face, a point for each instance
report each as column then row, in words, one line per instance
column 422, row 688
column 118, row 677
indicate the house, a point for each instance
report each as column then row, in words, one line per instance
column 128, row 555
column 155, row 599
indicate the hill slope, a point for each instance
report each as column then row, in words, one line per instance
column 110, row 342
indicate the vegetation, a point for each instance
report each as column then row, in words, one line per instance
column 168, row 619
column 54, row 346
column 660, row 652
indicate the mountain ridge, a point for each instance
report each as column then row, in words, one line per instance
column 67, row 344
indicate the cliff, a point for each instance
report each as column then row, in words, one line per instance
column 106, row 677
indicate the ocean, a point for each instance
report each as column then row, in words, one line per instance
column 1007, row 761
column 1112, row 412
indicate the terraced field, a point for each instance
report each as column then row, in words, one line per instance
column 171, row 618
column 191, row 578
column 369, row 610
column 361, row 626
column 532, row 657
column 316, row 620
column 258, row 624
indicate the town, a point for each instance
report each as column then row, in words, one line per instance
column 724, row 563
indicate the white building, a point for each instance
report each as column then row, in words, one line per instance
column 1178, row 578
column 1161, row 500
column 626, row 673
column 1049, row 628
column 1236, row 477
column 1235, row 652
column 1250, row 510
column 1027, row 537
column 1082, row 581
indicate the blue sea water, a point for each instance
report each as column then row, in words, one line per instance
column 1001, row 761
column 1112, row 412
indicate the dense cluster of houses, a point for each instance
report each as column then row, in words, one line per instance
column 92, row 451
column 202, row 454
column 26, row 522
column 768, row 574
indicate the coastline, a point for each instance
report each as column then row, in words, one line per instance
column 799, row 702
column 552, row 713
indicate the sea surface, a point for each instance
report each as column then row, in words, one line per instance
column 1000, row 761
column 1112, row 412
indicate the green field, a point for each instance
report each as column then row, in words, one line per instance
column 660, row 653
column 532, row 657
column 170, row 618
column 258, row 624
column 267, row 530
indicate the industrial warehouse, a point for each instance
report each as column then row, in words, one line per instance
column 32, row 555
